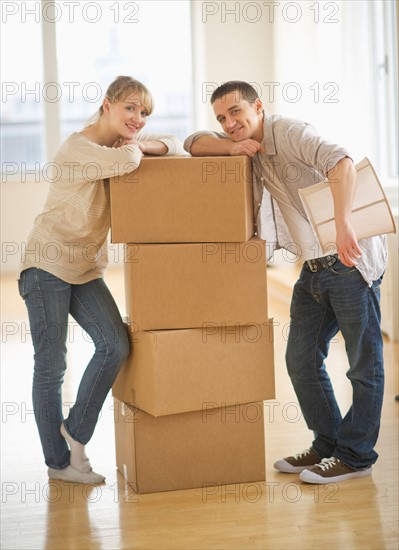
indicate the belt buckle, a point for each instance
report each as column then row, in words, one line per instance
column 313, row 266
column 331, row 259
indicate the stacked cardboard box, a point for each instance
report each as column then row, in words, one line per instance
column 188, row 401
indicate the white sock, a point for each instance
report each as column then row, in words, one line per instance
column 79, row 460
column 74, row 476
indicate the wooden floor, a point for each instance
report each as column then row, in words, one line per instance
column 278, row 513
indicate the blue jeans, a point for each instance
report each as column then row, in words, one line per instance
column 49, row 300
column 323, row 303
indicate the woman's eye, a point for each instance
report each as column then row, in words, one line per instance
column 143, row 113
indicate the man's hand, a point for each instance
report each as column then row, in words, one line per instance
column 247, row 147
column 348, row 248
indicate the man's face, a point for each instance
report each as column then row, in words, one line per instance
column 239, row 118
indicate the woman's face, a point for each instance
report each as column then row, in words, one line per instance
column 126, row 117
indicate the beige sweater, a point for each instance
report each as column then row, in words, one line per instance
column 69, row 238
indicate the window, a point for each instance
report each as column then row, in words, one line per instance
column 85, row 46
column 22, row 109
column 343, row 77
column 383, row 16
column 148, row 40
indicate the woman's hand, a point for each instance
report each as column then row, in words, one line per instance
column 122, row 141
column 146, row 147
column 152, row 147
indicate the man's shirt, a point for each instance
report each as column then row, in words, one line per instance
column 295, row 157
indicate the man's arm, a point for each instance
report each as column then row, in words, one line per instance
column 342, row 180
column 211, row 145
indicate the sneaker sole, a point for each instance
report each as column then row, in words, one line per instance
column 310, row 477
column 287, row 468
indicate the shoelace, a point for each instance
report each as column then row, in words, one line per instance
column 302, row 454
column 328, row 463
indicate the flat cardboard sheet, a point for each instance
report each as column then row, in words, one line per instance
column 371, row 214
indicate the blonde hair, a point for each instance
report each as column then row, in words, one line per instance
column 122, row 87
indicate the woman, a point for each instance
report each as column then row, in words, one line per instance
column 62, row 273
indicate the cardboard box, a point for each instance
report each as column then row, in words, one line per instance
column 171, row 286
column 183, row 199
column 197, row 449
column 177, row 371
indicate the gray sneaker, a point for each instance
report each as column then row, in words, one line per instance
column 332, row 470
column 297, row 463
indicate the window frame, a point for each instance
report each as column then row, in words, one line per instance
column 52, row 110
column 383, row 22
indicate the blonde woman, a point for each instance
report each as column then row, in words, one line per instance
column 63, row 267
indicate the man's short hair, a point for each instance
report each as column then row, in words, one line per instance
column 245, row 91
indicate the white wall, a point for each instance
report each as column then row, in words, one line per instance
column 389, row 289
column 326, row 55
column 232, row 41
column 20, row 203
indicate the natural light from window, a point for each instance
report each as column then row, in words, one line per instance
column 95, row 42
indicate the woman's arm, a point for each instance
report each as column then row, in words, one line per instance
column 162, row 144
column 153, row 147
column 83, row 159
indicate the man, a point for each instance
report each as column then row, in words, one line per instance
column 334, row 292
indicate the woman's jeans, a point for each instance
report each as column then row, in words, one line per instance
column 49, row 300
column 323, row 303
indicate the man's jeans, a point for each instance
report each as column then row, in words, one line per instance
column 323, row 303
column 49, row 301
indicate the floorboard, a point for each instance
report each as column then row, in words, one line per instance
column 277, row 513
